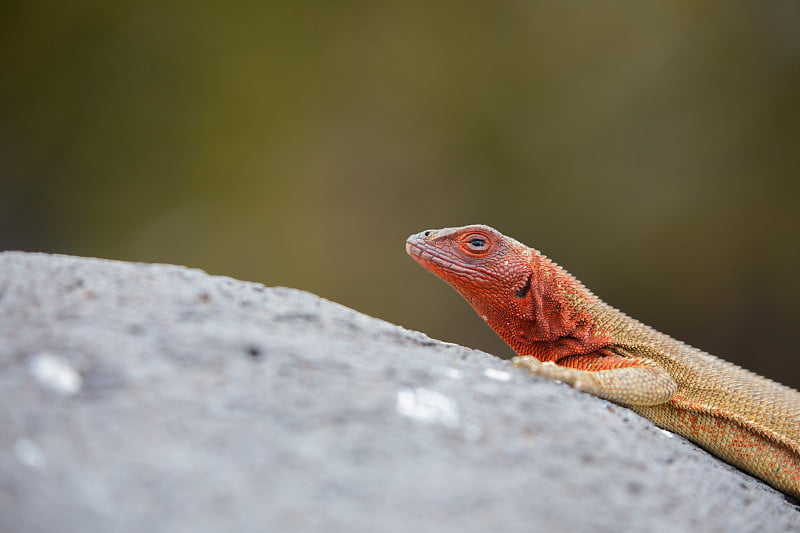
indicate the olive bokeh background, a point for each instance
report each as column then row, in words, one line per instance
column 651, row 148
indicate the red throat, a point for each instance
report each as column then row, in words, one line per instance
column 548, row 322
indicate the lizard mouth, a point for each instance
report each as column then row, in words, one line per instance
column 433, row 259
column 418, row 251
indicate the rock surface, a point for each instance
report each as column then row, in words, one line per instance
column 158, row 398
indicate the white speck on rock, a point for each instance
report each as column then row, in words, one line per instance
column 499, row 375
column 427, row 406
column 56, row 374
column 452, row 373
column 29, row 454
column 667, row 433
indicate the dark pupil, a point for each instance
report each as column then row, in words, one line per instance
column 477, row 243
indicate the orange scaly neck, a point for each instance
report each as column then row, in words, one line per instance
column 551, row 320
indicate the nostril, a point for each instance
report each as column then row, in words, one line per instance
column 427, row 233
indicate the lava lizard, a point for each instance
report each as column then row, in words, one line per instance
column 561, row 330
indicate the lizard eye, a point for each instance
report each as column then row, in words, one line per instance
column 476, row 244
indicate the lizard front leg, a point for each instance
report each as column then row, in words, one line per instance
column 642, row 383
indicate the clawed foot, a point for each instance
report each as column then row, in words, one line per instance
column 527, row 362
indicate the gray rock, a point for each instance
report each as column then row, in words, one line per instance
column 158, row 398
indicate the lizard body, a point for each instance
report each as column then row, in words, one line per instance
column 562, row 331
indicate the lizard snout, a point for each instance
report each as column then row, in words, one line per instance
column 421, row 235
column 415, row 242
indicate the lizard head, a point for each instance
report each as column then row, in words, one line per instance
column 491, row 271
column 522, row 295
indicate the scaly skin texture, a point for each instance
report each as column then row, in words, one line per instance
column 562, row 331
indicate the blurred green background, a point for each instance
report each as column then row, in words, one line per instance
column 651, row 148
